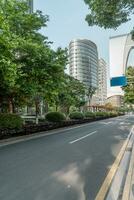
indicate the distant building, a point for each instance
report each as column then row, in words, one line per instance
column 102, row 85
column 100, row 96
column 83, row 62
column 115, row 101
column 95, row 100
column 30, row 3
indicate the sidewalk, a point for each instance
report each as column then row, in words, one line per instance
column 122, row 186
column 128, row 191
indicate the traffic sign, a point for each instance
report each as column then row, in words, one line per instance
column 118, row 81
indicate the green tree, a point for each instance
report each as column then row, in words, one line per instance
column 29, row 68
column 129, row 89
column 71, row 93
column 90, row 92
column 109, row 14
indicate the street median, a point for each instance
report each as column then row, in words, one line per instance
column 43, row 126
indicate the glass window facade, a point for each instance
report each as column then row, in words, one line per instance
column 83, row 60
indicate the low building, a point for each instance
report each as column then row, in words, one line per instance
column 116, row 100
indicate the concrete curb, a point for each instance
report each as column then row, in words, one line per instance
column 127, row 191
column 111, row 188
column 117, row 187
column 131, row 197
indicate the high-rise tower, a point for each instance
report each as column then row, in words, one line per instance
column 83, row 60
column 102, row 85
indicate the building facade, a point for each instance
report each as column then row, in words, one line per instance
column 100, row 96
column 30, row 3
column 116, row 101
column 102, row 84
column 120, row 47
column 83, row 62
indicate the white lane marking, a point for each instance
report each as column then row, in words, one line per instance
column 105, row 123
column 125, row 123
column 109, row 122
column 81, row 138
column 119, row 119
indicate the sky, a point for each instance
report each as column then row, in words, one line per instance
column 67, row 21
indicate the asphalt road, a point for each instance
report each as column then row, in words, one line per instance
column 69, row 165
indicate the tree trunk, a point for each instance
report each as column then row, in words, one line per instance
column 46, row 107
column 14, row 108
column 56, row 108
column 37, row 111
column 10, row 105
column 68, row 109
column 1, row 104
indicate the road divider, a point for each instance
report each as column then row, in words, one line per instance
column 42, row 134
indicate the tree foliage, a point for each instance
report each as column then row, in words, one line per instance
column 129, row 89
column 72, row 93
column 109, row 14
column 30, row 70
column 28, row 66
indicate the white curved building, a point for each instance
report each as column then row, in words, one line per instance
column 83, row 61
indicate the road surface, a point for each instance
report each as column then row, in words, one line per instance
column 69, row 165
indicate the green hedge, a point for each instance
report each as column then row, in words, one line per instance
column 101, row 114
column 121, row 113
column 114, row 114
column 76, row 115
column 55, row 117
column 89, row 115
column 10, row 121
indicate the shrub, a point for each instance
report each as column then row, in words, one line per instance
column 101, row 114
column 109, row 114
column 76, row 115
column 42, row 120
column 89, row 115
column 10, row 121
column 55, row 117
column 120, row 113
column 114, row 114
